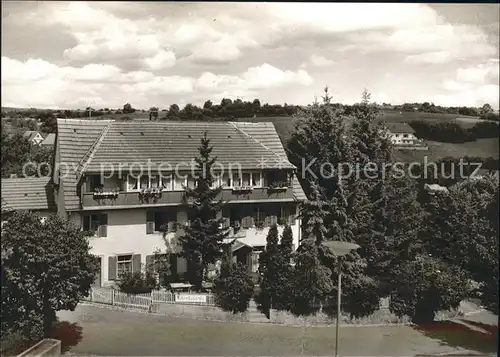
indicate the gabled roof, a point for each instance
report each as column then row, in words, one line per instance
column 399, row 128
column 86, row 145
column 30, row 134
column 49, row 140
column 27, row 194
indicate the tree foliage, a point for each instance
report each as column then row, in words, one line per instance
column 203, row 238
column 426, row 285
column 275, row 272
column 46, row 267
column 234, row 286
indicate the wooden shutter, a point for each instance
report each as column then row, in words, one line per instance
column 86, row 222
column 103, row 225
column 173, row 263
column 136, row 263
column 267, row 221
column 226, row 223
column 150, row 222
column 273, row 220
column 111, row 268
column 245, row 222
column 149, row 263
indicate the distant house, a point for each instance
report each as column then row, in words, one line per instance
column 401, row 134
column 50, row 140
column 33, row 194
column 34, row 137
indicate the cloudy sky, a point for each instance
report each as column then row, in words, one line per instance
column 70, row 54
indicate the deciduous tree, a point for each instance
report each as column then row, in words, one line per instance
column 46, row 267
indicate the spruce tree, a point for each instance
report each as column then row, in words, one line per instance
column 269, row 276
column 203, row 239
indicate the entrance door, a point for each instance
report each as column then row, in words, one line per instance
column 97, row 280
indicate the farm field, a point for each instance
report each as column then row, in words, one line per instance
column 437, row 150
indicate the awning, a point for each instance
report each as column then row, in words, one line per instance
column 238, row 244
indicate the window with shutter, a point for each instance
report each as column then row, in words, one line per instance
column 103, row 225
column 112, row 265
column 86, row 223
column 136, row 263
column 273, row 220
column 149, row 263
column 150, row 222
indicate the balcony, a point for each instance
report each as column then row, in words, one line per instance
column 90, row 200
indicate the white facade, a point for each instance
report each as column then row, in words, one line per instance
column 403, row 138
column 126, row 235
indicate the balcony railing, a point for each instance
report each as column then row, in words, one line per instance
column 131, row 199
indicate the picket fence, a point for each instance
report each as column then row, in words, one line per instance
column 145, row 300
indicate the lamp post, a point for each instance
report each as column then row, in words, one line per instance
column 339, row 249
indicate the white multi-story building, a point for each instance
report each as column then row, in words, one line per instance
column 98, row 185
column 401, row 134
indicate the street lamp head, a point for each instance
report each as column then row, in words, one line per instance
column 340, row 248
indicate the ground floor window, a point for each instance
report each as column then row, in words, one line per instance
column 124, row 264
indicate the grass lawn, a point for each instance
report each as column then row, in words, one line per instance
column 118, row 333
column 481, row 147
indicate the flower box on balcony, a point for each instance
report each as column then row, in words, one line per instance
column 242, row 189
column 278, row 187
column 102, row 194
column 150, row 193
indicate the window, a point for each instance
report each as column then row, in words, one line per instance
column 246, row 179
column 191, row 182
column 155, row 182
column 96, row 223
column 132, row 183
column 124, row 264
column 144, row 182
column 167, row 182
column 405, row 135
column 155, row 220
column 179, row 182
column 93, row 182
column 237, row 180
column 256, row 179
column 226, row 181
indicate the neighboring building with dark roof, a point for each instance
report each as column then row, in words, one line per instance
column 97, row 185
column 401, row 134
column 34, row 137
column 30, row 194
column 50, row 140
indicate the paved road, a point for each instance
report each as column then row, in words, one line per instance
column 117, row 333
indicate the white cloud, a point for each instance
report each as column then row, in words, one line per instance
column 163, row 59
column 108, row 86
column 220, row 51
column 430, row 58
column 474, row 86
column 317, row 61
column 380, row 97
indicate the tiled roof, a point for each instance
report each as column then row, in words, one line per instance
column 49, row 140
column 173, row 143
column 75, row 138
column 267, row 135
column 27, row 194
column 88, row 144
column 399, row 128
